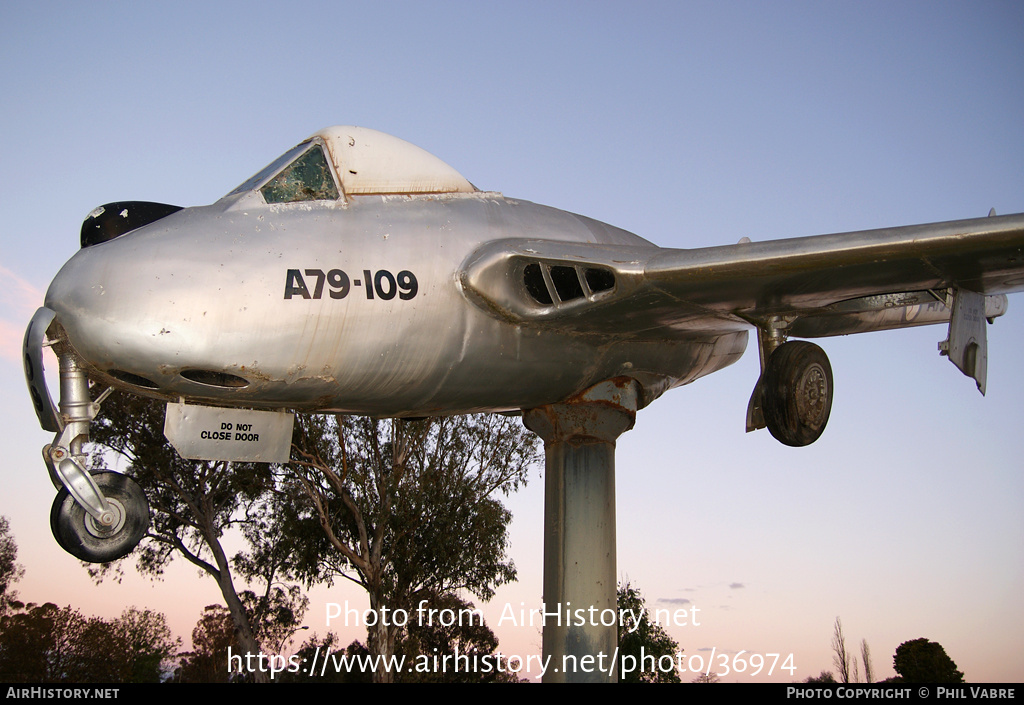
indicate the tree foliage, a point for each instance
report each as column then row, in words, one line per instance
column 823, row 677
column 840, row 656
column 847, row 669
column 193, row 504
column 10, row 570
column 707, row 678
column 323, row 657
column 150, row 647
column 923, row 661
column 454, row 628
column 212, row 636
column 423, row 646
column 215, row 633
column 865, row 655
column 405, row 509
column 648, row 641
column 47, row 644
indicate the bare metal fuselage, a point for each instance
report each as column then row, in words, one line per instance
column 358, row 273
column 311, row 305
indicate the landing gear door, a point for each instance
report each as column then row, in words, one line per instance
column 967, row 345
column 755, row 417
column 35, row 337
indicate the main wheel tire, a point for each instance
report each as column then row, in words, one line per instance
column 78, row 533
column 797, row 393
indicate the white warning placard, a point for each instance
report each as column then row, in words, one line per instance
column 241, row 435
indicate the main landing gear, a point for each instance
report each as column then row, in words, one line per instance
column 96, row 517
column 793, row 397
column 796, row 393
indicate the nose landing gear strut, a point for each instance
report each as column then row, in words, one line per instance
column 95, row 517
column 99, row 517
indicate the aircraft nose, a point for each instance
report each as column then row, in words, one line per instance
column 76, row 291
column 98, row 301
column 134, row 307
column 104, row 295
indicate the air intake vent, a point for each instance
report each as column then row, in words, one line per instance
column 600, row 279
column 133, row 379
column 212, row 378
column 567, row 284
column 535, row 285
column 547, row 284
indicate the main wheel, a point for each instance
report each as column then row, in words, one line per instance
column 81, row 535
column 797, row 393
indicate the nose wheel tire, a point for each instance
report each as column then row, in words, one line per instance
column 116, row 535
column 797, row 393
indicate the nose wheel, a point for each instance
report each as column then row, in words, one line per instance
column 797, row 393
column 115, row 534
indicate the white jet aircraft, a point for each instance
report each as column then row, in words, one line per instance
column 358, row 273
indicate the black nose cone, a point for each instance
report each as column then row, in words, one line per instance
column 113, row 219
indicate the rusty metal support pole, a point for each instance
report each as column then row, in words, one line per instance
column 580, row 633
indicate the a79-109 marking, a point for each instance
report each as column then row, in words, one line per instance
column 381, row 284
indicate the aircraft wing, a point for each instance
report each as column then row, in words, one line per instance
column 804, row 276
column 808, row 287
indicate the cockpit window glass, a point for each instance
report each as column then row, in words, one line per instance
column 270, row 168
column 308, row 178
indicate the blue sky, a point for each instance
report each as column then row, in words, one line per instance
column 689, row 123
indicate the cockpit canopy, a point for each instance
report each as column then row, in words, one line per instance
column 345, row 161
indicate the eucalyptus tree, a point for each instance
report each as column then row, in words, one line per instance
column 408, row 510
column 194, row 504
